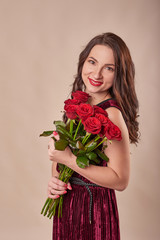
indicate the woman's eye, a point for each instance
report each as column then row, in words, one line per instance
column 110, row 69
column 91, row 61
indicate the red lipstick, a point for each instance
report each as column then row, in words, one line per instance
column 95, row 83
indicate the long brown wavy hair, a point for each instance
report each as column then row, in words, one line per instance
column 123, row 88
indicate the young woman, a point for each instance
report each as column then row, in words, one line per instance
column 106, row 73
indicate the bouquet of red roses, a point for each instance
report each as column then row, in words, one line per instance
column 86, row 129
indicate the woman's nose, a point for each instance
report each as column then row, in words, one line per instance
column 97, row 73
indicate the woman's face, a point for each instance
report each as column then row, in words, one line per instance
column 98, row 70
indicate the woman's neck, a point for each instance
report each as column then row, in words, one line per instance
column 96, row 98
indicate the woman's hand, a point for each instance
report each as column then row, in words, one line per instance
column 56, row 155
column 56, row 188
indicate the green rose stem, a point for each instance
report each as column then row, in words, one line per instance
column 86, row 138
column 46, row 203
column 50, row 205
column 100, row 143
column 64, row 176
column 77, row 130
column 97, row 138
column 71, row 127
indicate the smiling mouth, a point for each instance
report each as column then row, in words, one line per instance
column 95, row 83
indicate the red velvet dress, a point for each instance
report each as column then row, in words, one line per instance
column 75, row 224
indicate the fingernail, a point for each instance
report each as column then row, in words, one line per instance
column 55, row 133
column 57, row 196
column 65, row 192
column 69, row 187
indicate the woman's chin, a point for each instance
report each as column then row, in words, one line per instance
column 92, row 89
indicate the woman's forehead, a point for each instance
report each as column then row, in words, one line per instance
column 102, row 53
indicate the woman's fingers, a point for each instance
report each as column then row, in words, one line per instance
column 69, row 186
column 56, row 135
column 57, row 192
column 51, row 141
column 56, row 187
column 53, row 196
column 51, row 149
column 51, row 145
column 53, row 193
column 58, row 182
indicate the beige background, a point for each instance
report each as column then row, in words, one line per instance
column 39, row 46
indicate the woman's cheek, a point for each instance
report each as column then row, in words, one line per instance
column 89, row 68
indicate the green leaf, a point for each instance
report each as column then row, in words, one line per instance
column 104, row 147
column 61, row 144
column 67, row 126
column 79, row 145
column 81, row 152
column 61, row 136
column 72, row 144
column 102, row 155
column 91, row 155
column 82, row 161
column 97, row 160
column 75, row 152
column 59, row 123
column 90, row 146
column 54, row 139
column 61, row 166
column 92, row 162
column 63, row 131
column 46, row 133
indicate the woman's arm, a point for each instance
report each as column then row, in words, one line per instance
column 54, row 170
column 116, row 174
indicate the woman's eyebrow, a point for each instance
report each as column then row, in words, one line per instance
column 93, row 59
column 107, row 64
column 110, row 64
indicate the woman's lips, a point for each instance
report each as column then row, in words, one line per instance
column 95, row 83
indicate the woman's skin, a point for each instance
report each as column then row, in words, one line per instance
column 98, row 75
column 99, row 67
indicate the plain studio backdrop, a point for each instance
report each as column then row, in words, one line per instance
column 40, row 44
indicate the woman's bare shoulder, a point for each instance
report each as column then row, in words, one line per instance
column 115, row 115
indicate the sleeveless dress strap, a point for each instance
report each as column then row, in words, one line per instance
column 111, row 102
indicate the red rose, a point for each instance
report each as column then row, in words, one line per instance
column 84, row 111
column 92, row 125
column 99, row 110
column 72, row 102
column 111, row 131
column 103, row 119
column 71, row 111
column 80, row 96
